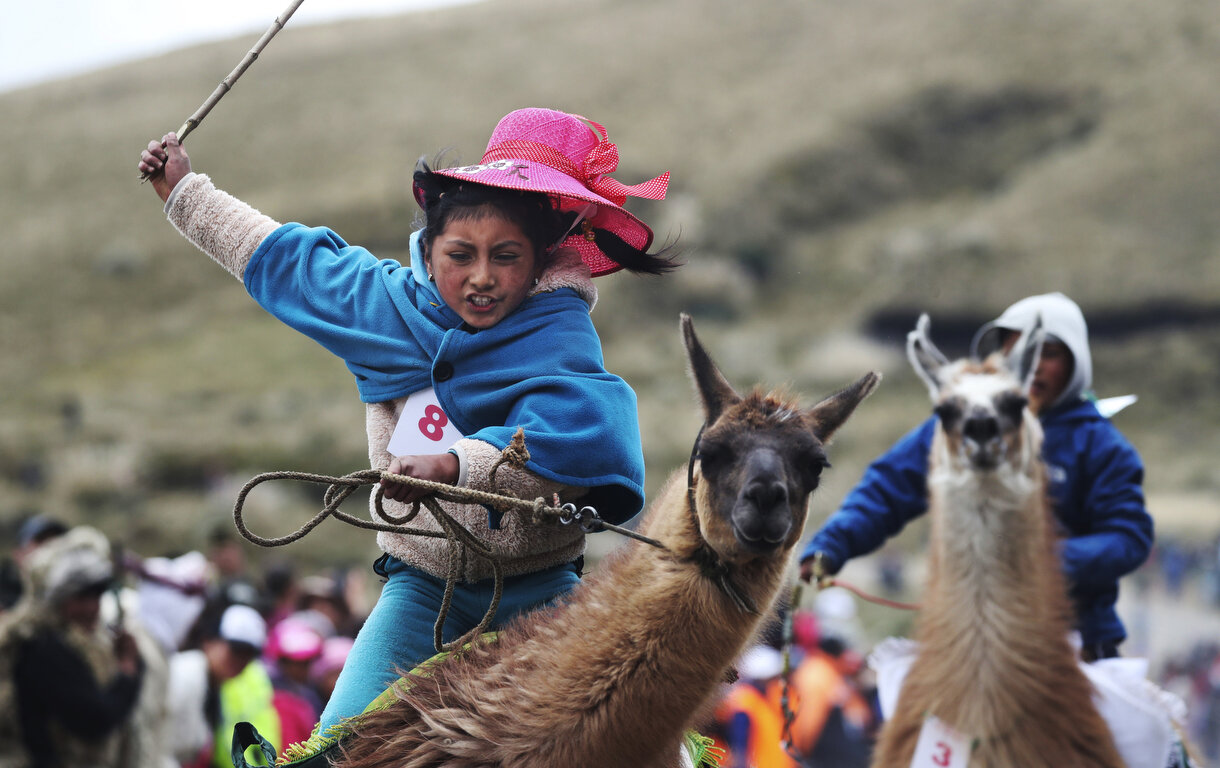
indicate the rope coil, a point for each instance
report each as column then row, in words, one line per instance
column 461, row 540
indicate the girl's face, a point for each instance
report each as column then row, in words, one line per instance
column 484, row 267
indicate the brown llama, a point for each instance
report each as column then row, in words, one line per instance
column 994, row 659
column 615, row 674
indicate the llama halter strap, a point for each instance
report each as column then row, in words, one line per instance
column 704, row 556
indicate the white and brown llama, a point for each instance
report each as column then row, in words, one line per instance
column 616, row 673
column 994, row 660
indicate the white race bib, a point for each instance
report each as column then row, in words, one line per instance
column 423, row 427
column 940, row 746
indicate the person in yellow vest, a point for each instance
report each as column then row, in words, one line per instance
column 751, row 724
column 247, row 696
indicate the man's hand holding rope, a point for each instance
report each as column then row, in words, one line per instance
column 813, row 571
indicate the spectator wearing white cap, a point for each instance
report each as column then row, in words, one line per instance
column 221, row 685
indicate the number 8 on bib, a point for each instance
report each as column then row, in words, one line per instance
column 423, row 427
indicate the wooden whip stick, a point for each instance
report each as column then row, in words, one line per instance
column 194, row 120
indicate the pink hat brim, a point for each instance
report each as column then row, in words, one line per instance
column 532, row 176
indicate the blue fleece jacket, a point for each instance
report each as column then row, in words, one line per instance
column 1096, row 480
column 540, row 368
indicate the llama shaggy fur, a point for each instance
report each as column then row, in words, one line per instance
column 615, row 674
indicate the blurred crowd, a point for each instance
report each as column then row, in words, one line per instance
column 1188, row 569
column 1195, row 677
column 1187, row 566
column 813, row 707
column 108, row 658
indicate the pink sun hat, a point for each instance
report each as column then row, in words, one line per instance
column 542, row 150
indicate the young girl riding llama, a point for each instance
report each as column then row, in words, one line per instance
column 486, row 330
column 613, row 674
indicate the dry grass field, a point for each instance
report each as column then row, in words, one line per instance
column 837, row 168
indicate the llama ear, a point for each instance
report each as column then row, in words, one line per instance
column 925, row 358
column 1022, row 360
column 827, row 416
column 714, row 391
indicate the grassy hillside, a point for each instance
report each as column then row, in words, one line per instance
column 837, row 168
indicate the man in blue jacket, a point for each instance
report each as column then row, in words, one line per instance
column 1095, row 477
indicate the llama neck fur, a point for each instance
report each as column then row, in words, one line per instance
column 615, row 673
column 994, row 657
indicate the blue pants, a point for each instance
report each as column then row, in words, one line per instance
column 397, row 635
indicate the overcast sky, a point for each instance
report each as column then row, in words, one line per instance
column 46, row 39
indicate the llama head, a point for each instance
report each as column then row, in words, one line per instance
column 981, row 404
column 759, row 458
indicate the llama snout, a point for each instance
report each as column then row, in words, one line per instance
column 982, row 441
column 762, row 516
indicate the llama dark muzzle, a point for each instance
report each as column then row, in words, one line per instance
column 762, row 515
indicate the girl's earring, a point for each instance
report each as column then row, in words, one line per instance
column 431, row 278
column 535, row 281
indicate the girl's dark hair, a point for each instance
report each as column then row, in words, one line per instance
column 447, row 199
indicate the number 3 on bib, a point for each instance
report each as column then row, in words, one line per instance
column 940, row 746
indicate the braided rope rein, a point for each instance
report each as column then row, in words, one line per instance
column 341, row 487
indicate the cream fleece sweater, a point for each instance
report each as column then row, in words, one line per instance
column 230, row 231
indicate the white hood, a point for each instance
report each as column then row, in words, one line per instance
column 1062, row 320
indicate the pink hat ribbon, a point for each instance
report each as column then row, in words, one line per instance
column 601, row 160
